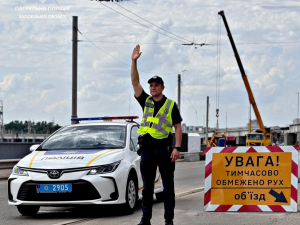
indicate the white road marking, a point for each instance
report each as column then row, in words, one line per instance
column 189, row 192
column 181, row 194
column 75, row 221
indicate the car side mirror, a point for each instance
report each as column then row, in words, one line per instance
column 33, row 147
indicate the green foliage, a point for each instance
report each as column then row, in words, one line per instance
column 39, row 127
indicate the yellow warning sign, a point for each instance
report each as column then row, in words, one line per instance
column 251, row 178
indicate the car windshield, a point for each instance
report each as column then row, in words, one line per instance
column 87, row 137
column 255, row 137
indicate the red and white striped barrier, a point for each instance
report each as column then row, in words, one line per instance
column 291, row 206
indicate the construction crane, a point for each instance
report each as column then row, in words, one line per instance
column 262, row 137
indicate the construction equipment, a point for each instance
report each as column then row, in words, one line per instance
column 213, row 142
column 262, row 137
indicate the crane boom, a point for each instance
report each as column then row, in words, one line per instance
column 244, row 76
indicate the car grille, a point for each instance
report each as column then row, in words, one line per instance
column 81, row 190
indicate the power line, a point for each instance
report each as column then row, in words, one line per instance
column 102, row 49
column 263, row 43
column 90, row 40
column 192, row 44
column 152, row 23
column 243, row 43
column 183, row 76
column 189, row 100
column 118, row 59
column 105, row 51
column 64, row 12
column 190, row 59
column 139, row 22
column 129, row 42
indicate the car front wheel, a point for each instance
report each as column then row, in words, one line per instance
column 131, row 195
column 28, row 210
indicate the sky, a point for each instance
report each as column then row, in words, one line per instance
column 36, row 58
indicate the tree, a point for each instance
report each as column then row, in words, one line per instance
column 39, row 127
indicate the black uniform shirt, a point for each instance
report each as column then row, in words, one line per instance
column 176, row 117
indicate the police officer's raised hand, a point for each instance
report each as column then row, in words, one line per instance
column 175, row 155
column 136, row 53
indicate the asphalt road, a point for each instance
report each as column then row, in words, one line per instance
column 188, row 176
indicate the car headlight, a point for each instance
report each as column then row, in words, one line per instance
column 20, row 172
column 109, row 168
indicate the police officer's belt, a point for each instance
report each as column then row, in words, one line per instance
column 157, row 143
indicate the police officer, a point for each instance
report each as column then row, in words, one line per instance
column 160, row 115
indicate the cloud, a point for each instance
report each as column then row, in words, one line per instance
column 36, row 59
column 58, row 106
column 8, row 82
column 269, row 81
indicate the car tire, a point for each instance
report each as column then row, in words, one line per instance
column 28, row 210
column 131, row 195
column 160, row 196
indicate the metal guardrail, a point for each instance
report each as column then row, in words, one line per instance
column 8, row 163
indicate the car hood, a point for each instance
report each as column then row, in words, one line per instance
column 62, row 159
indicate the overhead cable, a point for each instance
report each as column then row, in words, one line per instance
column 268, row 43
column 190, row 59
column 183, row 76
column 102, row 49
column 130, row 42
column 152, row 23
column 264, row 43
column 139, row 22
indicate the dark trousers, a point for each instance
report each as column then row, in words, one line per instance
column 150, row 159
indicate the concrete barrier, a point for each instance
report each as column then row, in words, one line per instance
column 190, row 156
column 8, row 163
column 14, row 150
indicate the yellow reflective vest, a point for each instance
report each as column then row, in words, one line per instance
column 161, row 123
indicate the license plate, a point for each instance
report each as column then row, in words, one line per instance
column 53, row 188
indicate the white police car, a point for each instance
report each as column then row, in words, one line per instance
column 81, row 164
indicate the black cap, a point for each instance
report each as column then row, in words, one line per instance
column 156, row 79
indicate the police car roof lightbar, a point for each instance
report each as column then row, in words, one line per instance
column 106, row 118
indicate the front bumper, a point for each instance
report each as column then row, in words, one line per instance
column 87, row 189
